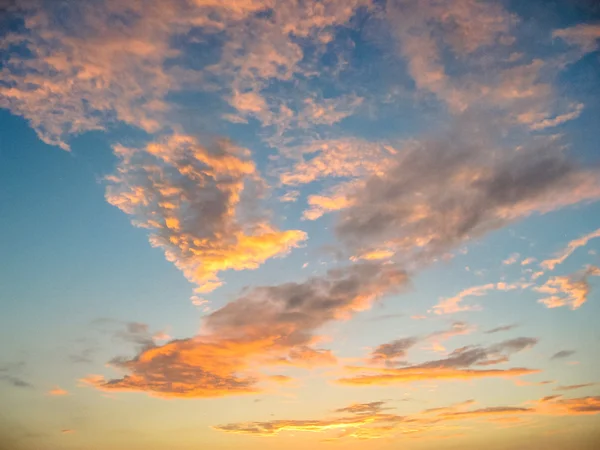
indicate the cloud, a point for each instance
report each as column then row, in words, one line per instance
column 583, row 35
column 501, row 328
column 362, row 421
column 338, row 158
column 457, row 365
column 472, row 67
column 557, row 405
column 57, row 391
column 513, row 258
column 197, row 203
column 289, row 197
column 439, row 193
column 486, row 412
column 80, row 78
column 227, row 356
column 572, row 387
column 563, row 354
column 481, row 356
column 457, row 328
column 363, row 408
column 68, row 71
column 373, row 421
column 392, row 351
column 560, row 257
column 453, row 305
column 11, row 373
column 314, row 426
column 569, row 291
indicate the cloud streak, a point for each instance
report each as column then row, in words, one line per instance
column 456, row 366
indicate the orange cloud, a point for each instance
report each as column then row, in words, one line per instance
column 171, row 185
column 88, row 75
column 561, row 256
column 512, row 259
column 559, row 406
column 321, row 204
column 228, row 356
column 57, row 391
column 366, row 421
column 384, row 376
column 372, row 421
column 569, row 291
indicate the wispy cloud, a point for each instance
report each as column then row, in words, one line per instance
column 374, row 421
column 12, row 373
column 501, row 328
column 563, row 354
column 454, row 304
column 464, row 191
column 456, row 366
column 561, row 256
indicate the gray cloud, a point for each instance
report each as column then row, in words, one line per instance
column 12, row 373
column 572, row 387
column 563, row 354
column 481, row 356
column 392, row 351
column 502, row 328
column 442, row 192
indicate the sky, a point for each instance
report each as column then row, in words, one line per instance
column 266, row 224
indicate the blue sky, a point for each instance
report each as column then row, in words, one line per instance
column 263, row 223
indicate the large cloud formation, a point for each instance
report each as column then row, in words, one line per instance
column 192, row 198
column 443, row 192
column 266, row 326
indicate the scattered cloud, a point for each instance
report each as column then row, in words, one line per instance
column 392, row 352
column 12, row 373
column 563, row 354
column 528, row 261
column 569, row 291
column 560, row 257
column 512, row 259
column 454, row 304
column 501, row 328
column 57, row 391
